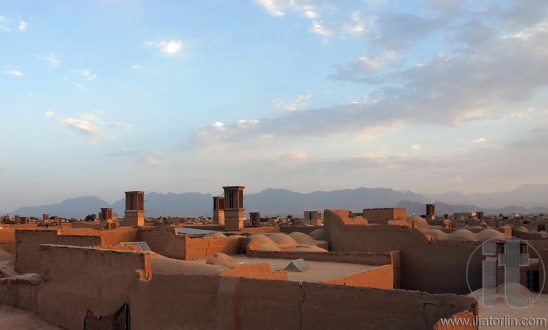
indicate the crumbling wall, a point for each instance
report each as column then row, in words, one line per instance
column 27, row 247
column 19, row 292
column 77, row 280
column 425, row 267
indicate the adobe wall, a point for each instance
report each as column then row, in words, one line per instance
column 381, row 215
column 7, row 239
column 169, row 301
column 302, row 229
column 77, row 280
column 164, row 241
column 19, row 292
column 263, row 271
column 203, row 248
column 27, row 249
column 427, row 267
column 541, row 246
column 380, row 277
column 260, row 230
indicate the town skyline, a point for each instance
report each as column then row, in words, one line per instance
column 428, row 96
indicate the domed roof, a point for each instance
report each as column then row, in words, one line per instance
column 265, row 243
column 283, row 240
column 318, row 234
column 215, row 234
column 437, row 234
column 302, row 238
column 419, row 223
column 462, row 235
column 487, row 234
column 221, row 259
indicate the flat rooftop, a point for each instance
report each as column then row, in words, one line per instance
column 319, row 271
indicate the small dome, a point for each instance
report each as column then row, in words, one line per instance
column 318, row 234
column 221, row 259
column 283, row 240
column 302, row 238
column 215, row 234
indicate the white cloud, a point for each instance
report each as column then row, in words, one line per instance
column 90, row 126
column 22, row 26
column 16, row 73
column 77, row 85
column 86, row 74
column 171, row 47
column 416, row 147
column 50, row 59
column 89, row 130
column 480, row 140
column 8, row 24
column 136, row 67
column 300, row 103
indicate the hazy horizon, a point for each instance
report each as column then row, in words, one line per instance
column 102, row 97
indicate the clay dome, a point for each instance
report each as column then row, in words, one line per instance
column 318, row 234
column 265, row 243
column 284, row 241
column 302, row 238
column 215, row 234
column 221, row 259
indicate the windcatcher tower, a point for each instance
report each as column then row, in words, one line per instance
column 430, row 211
column 234, row 207
column 219, row 210
column 135, row 208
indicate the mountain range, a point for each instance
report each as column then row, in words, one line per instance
column 282, row 202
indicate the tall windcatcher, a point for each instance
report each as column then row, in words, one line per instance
column 234, row 207
column 135, row 208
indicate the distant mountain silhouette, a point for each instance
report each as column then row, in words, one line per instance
column 443, row 208
column 282, row 202
column 527, row 195
column 69, row 208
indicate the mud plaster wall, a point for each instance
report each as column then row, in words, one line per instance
column 164, row 241
column 263, row 271
column 363, row 258
column 17, row 292
column 7, row 239
column 77, row 279
column 27, row 246
column 380, row 277
column 303, row 229
column 424, row 266
column 170, row 301
column 383, row 214
column 541, row 246
column 203, row 248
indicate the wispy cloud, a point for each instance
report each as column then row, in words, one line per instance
column 50, row 59
column 299, row 103
column 168, row 47
column 86, row 74
column 153, row 159
column 8, row 24
column 16, row 73
column 89, row 125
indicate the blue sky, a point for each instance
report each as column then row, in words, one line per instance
column 101, row 97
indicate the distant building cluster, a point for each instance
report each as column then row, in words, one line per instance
column 329, row 269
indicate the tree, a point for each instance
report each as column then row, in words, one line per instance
column 90, row 217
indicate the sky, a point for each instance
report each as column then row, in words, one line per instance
column 99, row 97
